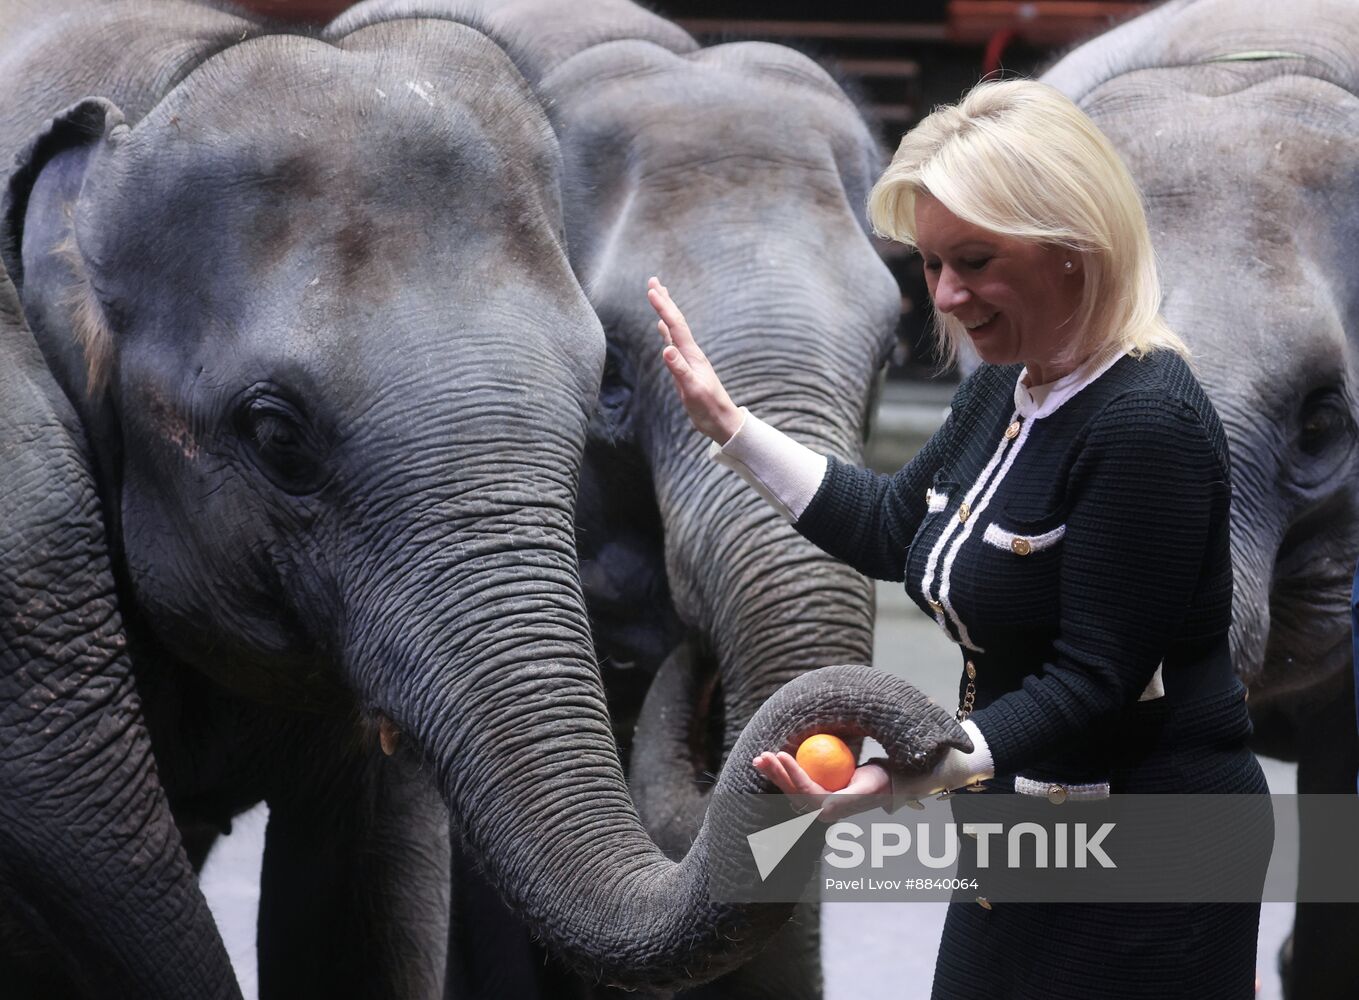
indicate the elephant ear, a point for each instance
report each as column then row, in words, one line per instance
column 64, row 150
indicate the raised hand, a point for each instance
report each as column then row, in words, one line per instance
column 700, row 390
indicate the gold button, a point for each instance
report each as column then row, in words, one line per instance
column 935, row 604
column 1021, row 546
column 971, row 671
column 1012, row 431
column 963, row 512
column 983, row 902
column 1057, row 794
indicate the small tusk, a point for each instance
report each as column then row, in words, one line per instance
column 388, row 734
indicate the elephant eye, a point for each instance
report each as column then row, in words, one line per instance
column 1326, row 433
column 615, row 389
column 281, row 444
column 1324, row 420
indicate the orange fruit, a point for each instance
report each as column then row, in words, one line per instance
column 827, row 760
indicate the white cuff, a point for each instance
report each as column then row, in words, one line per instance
column 958, row 769
column 955, row 770
column 784, row 472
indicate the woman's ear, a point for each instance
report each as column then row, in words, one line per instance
column 37, row 233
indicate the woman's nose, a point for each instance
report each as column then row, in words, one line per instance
column 949, row 292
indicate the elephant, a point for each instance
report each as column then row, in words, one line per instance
column 309, row 301
column 71, row 716
column 1241, row 125
column 739, row 173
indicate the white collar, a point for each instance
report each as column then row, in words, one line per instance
column 1037, row 401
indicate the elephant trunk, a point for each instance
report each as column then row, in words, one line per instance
column 86, row 835
column 508, row 703
column 766, row 605
column 87, row 843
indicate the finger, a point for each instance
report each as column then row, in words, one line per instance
column 768, row 766
column 856, row 797
column 833, row 810
column 791, row 783
column 664, row 305
column 840, row 804
column 665, row 332
column 773, row 770
column 679, row 367
column 763, row 761
column 800, row 778
column 868, row 780
column 674, row 319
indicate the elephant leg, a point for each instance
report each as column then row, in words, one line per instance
column 354, row 885
column 1321, row 965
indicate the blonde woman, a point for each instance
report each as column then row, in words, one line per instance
column 1067, row 527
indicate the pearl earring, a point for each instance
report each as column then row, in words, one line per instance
column 1068, row 265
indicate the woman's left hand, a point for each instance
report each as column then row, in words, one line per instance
column 784, row 771
column 700, row 390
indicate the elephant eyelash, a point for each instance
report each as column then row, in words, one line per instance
column 281, row 443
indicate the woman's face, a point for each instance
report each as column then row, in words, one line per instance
column 1016, row 297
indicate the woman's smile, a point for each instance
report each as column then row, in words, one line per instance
column 1014, row 297
column 982, row 326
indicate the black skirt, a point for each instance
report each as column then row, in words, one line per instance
column 1103, row 951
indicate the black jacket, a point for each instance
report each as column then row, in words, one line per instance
column 1093, row 550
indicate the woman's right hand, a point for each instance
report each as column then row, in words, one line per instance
column 787, row 775
column 700, row 390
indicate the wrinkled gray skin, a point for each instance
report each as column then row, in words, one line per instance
column 72, row 719
column 738, row 173
column 348, row 371
column 1250, row 171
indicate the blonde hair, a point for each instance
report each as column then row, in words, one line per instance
column 1018, row 158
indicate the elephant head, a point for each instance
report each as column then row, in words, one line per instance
column 317, row 315
column 738, row 174
column 1240, row 128
column 1239, row 122
column 90, row 860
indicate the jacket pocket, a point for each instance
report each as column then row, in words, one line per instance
column 937, row 498
column 1023, row 538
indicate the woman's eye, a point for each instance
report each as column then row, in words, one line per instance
column 976, row 263
column 932, row 265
